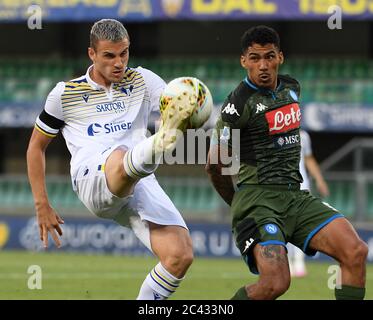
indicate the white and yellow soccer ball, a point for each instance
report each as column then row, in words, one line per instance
column 193, row 87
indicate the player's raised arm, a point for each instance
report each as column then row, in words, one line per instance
column 48, row 219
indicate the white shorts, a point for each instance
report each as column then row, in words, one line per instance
column 148, row 201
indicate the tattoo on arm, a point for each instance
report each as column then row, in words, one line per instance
column 273, row 253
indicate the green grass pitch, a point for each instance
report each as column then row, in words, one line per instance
column 77, row 276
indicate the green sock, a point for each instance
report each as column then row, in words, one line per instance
column 240, row 294
column 349, row 293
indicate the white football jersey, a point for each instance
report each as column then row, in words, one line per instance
column 93, row 118
column 306, row 150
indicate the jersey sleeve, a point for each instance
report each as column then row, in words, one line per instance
column 234, row 110
column 294, row 84
column 155, row 86
column 50, row 120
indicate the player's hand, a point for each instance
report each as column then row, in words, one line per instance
column 49, row 222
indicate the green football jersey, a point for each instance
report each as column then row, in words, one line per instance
column 269, row 121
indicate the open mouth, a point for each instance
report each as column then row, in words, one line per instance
column 264, row 76
column 118, row 72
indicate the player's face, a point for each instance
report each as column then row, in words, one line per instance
column 110, row 60
column 262, row 63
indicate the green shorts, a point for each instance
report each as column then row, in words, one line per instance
column 277, row 214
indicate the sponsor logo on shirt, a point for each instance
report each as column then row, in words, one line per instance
column 116, row 106
column 284, row 119
column 156, row 296
column 260, row 107
column 248, row 243
column 230, row 109
column 96, row 129
column 286, row 141
column 85, row 97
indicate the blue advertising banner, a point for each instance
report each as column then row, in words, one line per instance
column 16, row 115
column 102, row 236
column 148, row 10
column 337, row 118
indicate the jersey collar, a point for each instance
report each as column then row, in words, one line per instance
column 94, row 84
column 253, row 86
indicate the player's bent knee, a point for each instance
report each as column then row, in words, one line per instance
column 178, row 261
column 272, row 288
column 359, row 254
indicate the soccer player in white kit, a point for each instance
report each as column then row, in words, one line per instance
column 308, row 164
column 103, row 116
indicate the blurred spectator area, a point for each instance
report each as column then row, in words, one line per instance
column 193, row 196
column 323, row 80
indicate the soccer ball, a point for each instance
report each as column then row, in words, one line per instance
column 192, row 86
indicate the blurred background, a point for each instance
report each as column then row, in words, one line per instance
column 177, row 38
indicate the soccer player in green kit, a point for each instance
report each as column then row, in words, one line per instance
column 267, row 206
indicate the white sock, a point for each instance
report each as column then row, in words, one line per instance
column 141, row 161
column 159, row 284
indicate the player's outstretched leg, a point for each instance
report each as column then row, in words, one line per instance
column 174, row 121
column 143, row 159
column 339, row 240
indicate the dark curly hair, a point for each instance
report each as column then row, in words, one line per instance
column 261, row 35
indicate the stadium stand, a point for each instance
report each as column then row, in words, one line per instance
column 346, row 81
column 193, row 196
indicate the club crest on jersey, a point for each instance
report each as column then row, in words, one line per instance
column 271, row 228
column 230, row 109
column 85, row 97
column 284, row 119
column 125, row 91
column 260, row 107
